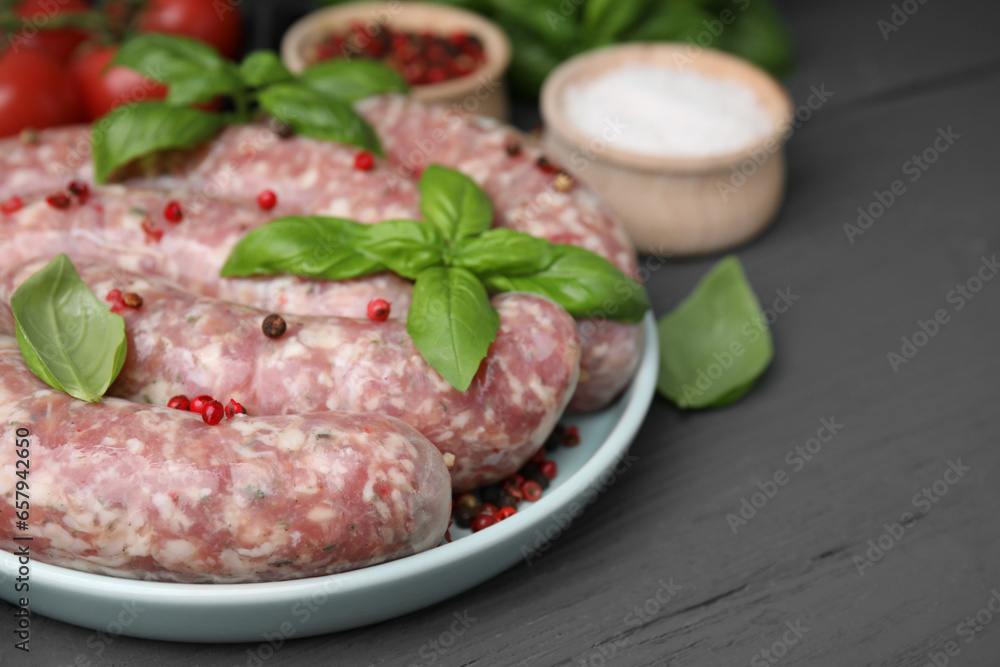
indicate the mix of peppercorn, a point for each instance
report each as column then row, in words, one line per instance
column 486, row 506
column 421, row 58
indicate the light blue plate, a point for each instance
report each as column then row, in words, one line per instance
column 266, row 612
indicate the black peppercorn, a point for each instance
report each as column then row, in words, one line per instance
column 274, row 326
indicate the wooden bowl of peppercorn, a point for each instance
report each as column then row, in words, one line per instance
column 448, row 55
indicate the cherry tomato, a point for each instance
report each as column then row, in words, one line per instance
column 104, row 88
column 35, row 91
column 57, row 44
column 215, row 22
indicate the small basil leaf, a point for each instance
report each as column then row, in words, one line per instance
column 452, row 323
column 179, row 61
column 452, row 202
column 263, row 68
column 68, row 337
column 716, row 343
column 503, row 251
column 313, row 114
column 583, row 283
column 405, row 246
column 312, row 247
column 130, row 132
column 353, row 80
column 202, row 87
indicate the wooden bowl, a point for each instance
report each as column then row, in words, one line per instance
column 675, row 205
column 482, row 92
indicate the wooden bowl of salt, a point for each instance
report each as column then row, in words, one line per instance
column 685, row 144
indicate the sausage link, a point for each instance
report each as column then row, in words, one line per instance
column 180, row 343
column 147, row 492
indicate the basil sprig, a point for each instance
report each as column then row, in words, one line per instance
column 67, row 336
column 315, row 104
column 454, row 258
column 716, row 343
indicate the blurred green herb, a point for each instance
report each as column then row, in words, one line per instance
column 315, row 104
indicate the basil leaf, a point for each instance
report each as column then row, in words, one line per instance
column 405, row 246
column 452, row 323
column 193, row 70
column 352, row 80
column 716, row 343
column 583, row 283
column 263, row 68
column 452, row 202
column 312, row 247
column 503, row 251
column 605, row 20
column 68, row 337
column 130, row 132
column 202, row 87
column 761, row 36
column 314, row 114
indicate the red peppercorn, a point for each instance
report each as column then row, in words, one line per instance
column 364, row 161
column 532, row 491
column 80, row 190
column 117, row 301
column 267, row 200
column 571, row 437
column 549, row 469
column 506, row 512
column 513, row 482
column 539, row 457
column 172, row 212
column 436, row 75
column 198, row 403
column 483, row 521
column 153, row 231
column 180, row 402
column 378, row 310
column 546, row 166
column 12, row 205
column 213, row 413
column 488, row 508
column 58, row 201
column 234, row 408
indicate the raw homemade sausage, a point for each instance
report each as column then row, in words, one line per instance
column 148, row 492
column 183, row 344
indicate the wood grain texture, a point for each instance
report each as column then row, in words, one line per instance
column 664, row 521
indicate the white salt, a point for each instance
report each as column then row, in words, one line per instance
column 660, row 111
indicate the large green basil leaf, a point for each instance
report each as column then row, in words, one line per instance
column 133, row 131
column 314, row 114
column 583, row 283
column 716, row 343
column 504, row 252
column 67, row 336
column 263, row 68
column 193, row 70
column 352, row 80
column 312, row 247
column 452, row 202
column 405, row 246
column 452, row 323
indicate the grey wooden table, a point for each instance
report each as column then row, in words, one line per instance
column 869, row 535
